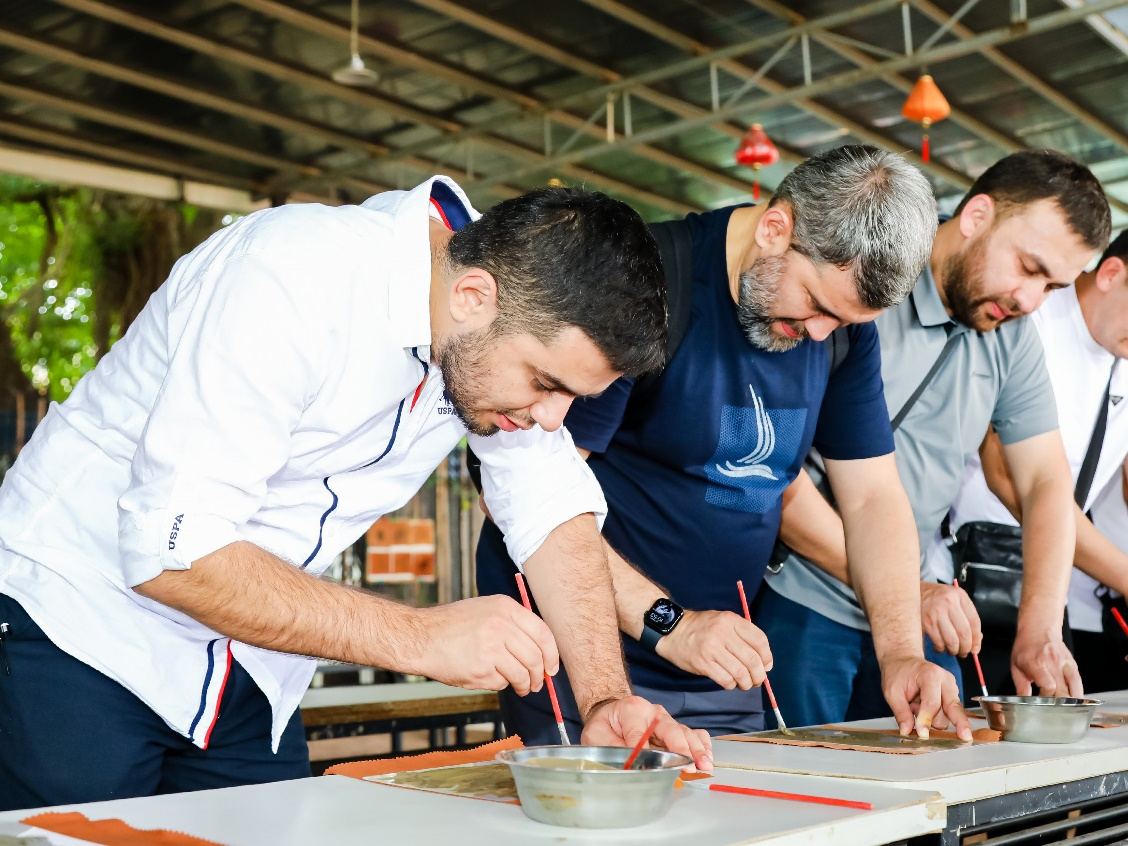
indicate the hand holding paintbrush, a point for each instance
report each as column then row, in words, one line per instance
column 767, row 684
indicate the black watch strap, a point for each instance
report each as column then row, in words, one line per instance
column 649, row 639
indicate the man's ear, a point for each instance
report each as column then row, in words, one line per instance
column 773, row 231
column 1111, row 273
column 977, row 215
column 473, row 299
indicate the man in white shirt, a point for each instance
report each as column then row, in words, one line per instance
column 299, row 374
column 1084, row 331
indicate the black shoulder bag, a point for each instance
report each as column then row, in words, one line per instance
column 988, row 556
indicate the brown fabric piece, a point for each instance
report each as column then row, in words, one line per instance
column 888, row 741
column 426, row 761
column 111, row 832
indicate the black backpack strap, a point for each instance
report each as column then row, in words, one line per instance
column 838, row 347
column 675, row 245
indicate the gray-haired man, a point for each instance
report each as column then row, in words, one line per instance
column 694, row 466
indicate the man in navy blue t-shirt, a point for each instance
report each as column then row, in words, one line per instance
column 694, row 468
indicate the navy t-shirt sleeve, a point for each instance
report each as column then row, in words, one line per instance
column 593, row 421
column 854, row 420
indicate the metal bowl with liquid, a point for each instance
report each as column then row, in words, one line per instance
column 612, row 798
column 1039, row 719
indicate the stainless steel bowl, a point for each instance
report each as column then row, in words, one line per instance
column 615, row 798
column 1039, row 719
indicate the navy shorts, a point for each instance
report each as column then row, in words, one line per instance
column 69, row 734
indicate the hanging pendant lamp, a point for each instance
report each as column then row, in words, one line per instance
column 926, row 106
column 756, row 150
column 355, row 73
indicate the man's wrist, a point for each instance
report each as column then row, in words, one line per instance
column 589, row 712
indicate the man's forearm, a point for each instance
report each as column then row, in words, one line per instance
column 634, row 593
column 246, row 593
column 884, row 556
column 570, row 579
column 811, row 527
column 1048, row 544
column 1099, row 557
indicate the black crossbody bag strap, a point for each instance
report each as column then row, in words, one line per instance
column 1096, row 442
column 953, row 339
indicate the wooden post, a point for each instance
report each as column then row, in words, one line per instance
column 21, row 421
column 442, row 534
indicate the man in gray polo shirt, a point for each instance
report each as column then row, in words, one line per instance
column 1029, row 224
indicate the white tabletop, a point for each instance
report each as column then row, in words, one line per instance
column 959, row 775
column 347, row 812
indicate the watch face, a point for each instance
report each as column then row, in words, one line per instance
column 662, row 615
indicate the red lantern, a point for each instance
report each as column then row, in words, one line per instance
column 756, row 151
column 926, row 105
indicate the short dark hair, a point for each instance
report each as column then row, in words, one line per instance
column 1117, row 249
column 567, row 257
column 1031, row 175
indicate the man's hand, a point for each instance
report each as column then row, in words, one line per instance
column 1040, row 658
column 486, row 643
column 621, row 722
column 923, row 695
column 949, row 618
column 721, row 645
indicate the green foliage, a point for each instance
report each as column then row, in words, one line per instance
column 75, row 267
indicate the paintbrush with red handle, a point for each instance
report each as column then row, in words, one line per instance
column 767, row 684
column 975, row 658
column 1120, row 619
column 704, row 784
column 641, row 742
column 547, row 678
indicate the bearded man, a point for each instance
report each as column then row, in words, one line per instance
column 298, row 375
column 957, row 356
column 695, row 465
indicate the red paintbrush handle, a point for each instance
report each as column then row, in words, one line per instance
column 641, row 742
column 748, row 617
column 1119, row 619
column 793, row 797
column 547, row 678
column 979, row 670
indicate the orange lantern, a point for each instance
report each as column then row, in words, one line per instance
column 756, row 151
column 926, row 105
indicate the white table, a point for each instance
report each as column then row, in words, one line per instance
column 999, row 780
column 347, row 812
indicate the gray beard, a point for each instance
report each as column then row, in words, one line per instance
column 759, row 289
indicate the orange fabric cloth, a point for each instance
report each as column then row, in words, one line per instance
column 426, row 761
column 111, row 832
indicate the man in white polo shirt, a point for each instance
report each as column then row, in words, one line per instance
column 300, row 374
column 1084, row 330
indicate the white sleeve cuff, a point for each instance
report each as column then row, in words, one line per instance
column 168, row 540
column 533, row 482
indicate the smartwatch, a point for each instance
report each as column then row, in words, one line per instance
column 659, row 621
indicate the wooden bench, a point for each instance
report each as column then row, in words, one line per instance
column 382, row 720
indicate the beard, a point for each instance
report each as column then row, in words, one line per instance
column 964, row 280
column 464, row 361
column 759, row 290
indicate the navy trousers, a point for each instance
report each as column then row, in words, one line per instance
column 69, row 734
column 824, row 672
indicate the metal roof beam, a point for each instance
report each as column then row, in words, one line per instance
column 858, row 57
column 665, row 33
column 939, row 53
column 1028, row 79
column 472, row 82
column 324, row 85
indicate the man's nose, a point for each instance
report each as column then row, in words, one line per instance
column 1030, row 295
column 549, row 412
column 820, row 327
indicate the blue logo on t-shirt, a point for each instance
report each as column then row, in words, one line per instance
column 756, row 448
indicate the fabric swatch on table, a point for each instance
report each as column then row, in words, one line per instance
column 888, row 741
column 111, row 832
